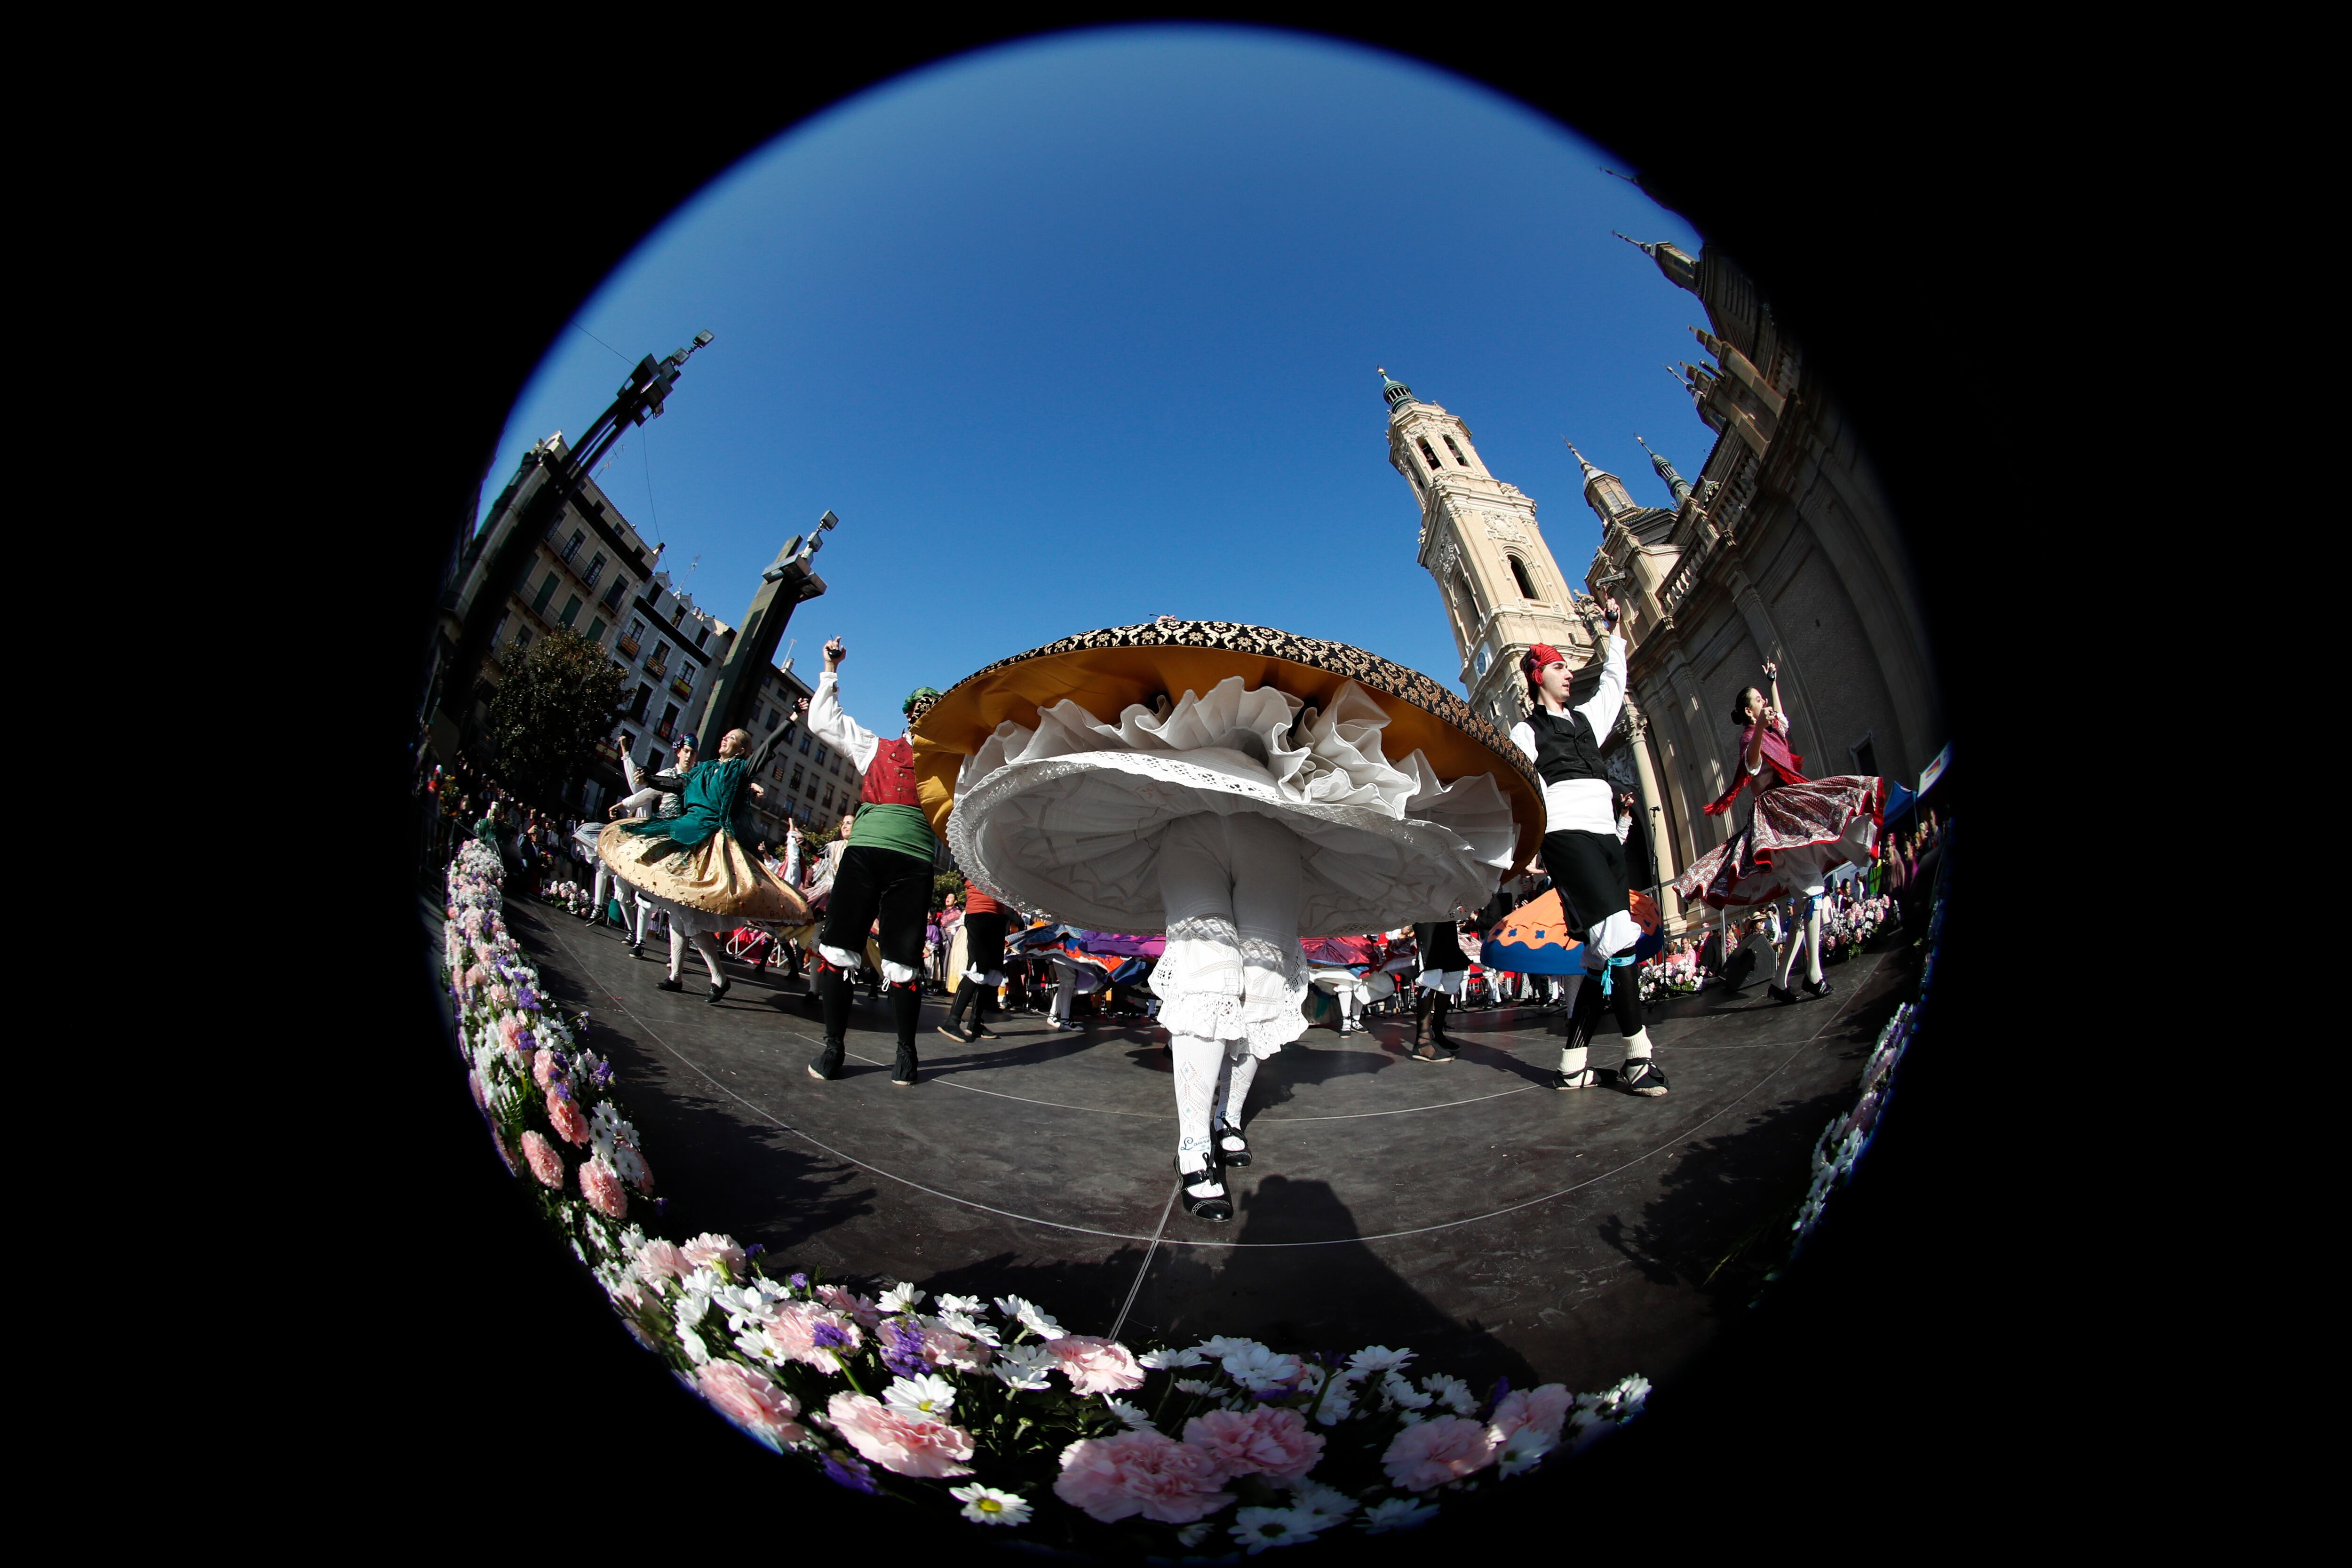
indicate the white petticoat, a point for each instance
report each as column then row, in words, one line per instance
column 686, row 921
column 1067, row 818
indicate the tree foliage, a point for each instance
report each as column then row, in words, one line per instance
column 549, row 713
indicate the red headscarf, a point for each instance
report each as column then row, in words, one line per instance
column 1536, row 657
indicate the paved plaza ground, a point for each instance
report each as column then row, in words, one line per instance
column 1467, row 1211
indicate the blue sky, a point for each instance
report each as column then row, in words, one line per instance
column 1081, row 330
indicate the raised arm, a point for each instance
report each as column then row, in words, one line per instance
column 1609, row 699
column 629, row 773
column 828, row 724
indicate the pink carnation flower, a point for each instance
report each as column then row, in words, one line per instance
column 1143, row 1472
column 542, row 1067
column 565, row 1118
column 508, row 1026
column 792, row 1331
column 545, row 1163
column 711, row 1247
column 1437, row 1451
column 1096, row 1366
column 945, row 1347
column 663, row 1260
column 899, row 1440
column 842, row 1300
column 1268, row 1441
column 1544, row 1409
column 749, row 1400
column 474, row 975
column 601, row 1185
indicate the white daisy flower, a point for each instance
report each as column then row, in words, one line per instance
column 1032, row 1317
column 1161, row 1361
column 901, row 1298
column 1195, row 1386
column 1524, row 1450
column 1223, row 1345
column 1402, row 1394
column 1259, row 1528
column 1452, row 1393
column 1630, row 1397
column 695, row 1351
column 1397, row 1513
column 971, row 1328
column 962, row 1304
column 1328, row 1505
column 1130, row 1414
column 986, row 1505
column 1191, row 1534
column 1379, row 1358
column 1253, row 1366
column 1022, row 1367
column 1337, row 1404
column 926, row 1393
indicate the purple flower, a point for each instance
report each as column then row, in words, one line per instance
column 602, row 1075
column 902, row 1348
column 1502, row 1387
column 828, row 1338
column 756, row 1248
column 842, row 1470
column 798, row 1281
column 523, row 1038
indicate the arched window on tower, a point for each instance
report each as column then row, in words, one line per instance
column 1519, row 571
column 1428, row 455
column 1456, row 451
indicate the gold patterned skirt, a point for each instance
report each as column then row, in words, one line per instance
column 714, row 884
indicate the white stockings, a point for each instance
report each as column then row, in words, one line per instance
column 1212, row 1087
column 703, row 944
column 1809, row 937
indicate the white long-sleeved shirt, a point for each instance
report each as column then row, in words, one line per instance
column 1585, row 805
column 836, row 729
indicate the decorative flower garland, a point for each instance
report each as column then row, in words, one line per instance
column 988, row 1410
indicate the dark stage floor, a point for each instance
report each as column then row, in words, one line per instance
column 1467, row 1211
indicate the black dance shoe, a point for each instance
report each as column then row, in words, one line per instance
column 1641, row 1075
column 668, row 985
column 981, row 1031
column 952, row 1032
column 1436, row 1051
column 1232, row 1149
column 1821, row 987
column 1779, row 993
column 636, row 950
column 827, row 1066
column 1217, row 1210
column 902, row 1076
column 719, row 989
column 1582, row 1078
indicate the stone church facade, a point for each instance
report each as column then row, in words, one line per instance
column 1784, row 549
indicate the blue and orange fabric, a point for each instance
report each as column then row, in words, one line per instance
column 1535, row 939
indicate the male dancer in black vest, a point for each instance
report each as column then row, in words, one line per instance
column 1580, row 846
column 886, row 872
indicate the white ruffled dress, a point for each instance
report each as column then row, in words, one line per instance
column 1070, row 818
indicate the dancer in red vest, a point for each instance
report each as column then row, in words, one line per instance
column 884, row 875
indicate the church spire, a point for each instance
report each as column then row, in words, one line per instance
column 1395, row 392
column 1674, row 482
column 1681, row 270
column 1604, row 492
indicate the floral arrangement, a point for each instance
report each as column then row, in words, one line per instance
column 571, row 895
column 990, row 1409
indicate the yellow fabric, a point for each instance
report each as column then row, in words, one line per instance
column 1104, row 680
column 715, row 876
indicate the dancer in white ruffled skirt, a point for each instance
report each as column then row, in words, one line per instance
column 1237, row 821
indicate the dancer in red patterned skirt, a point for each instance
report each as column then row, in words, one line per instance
column 1800, row 831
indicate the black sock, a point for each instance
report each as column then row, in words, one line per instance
column 965, row 990
column 907, row 1003
column 1626, row 996
column 833, row 990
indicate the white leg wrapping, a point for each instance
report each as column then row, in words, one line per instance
column 1614, row 935
column 677, row 951
column 708, row 946
column 897, row 973
column 846, row 961
column 1200, row 1064
column 1232, row 1097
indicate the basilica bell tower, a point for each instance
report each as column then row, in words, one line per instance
column 1502, row 590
